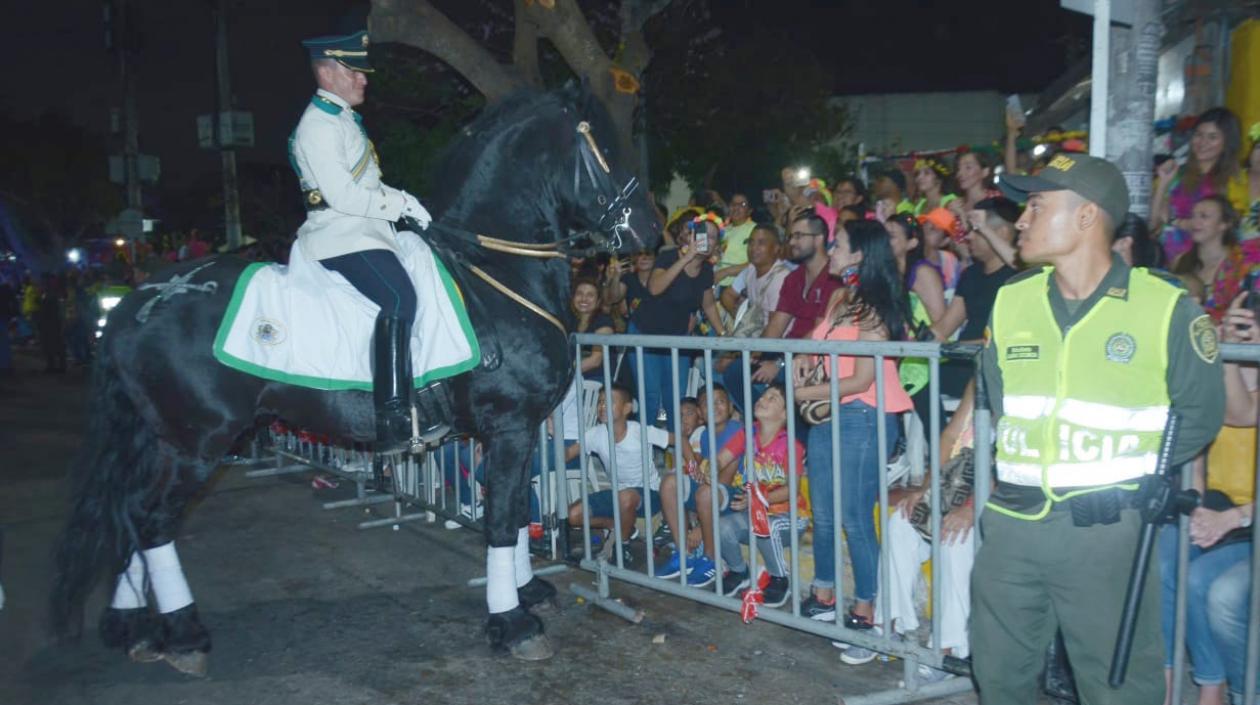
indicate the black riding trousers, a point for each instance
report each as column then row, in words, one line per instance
column 378, row 275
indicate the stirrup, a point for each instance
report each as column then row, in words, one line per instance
column 428, row 438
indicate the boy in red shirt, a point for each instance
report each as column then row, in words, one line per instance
column 770, row 467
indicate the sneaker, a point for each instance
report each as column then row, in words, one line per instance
column 777, row 591
column 927, row 675
column 701, row 572
column 857, row 655
column 818, row 610
column 734, row 582
column 669, row 569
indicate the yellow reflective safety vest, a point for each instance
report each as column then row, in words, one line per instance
column 1083, row 409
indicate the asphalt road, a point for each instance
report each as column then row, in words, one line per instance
column 305, row 608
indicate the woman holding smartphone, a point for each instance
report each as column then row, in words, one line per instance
column 681, row 283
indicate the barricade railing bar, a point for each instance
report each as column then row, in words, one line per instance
column 611, row 565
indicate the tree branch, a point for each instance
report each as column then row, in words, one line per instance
column 525, row 46
column 572, row 36
column 417, row 23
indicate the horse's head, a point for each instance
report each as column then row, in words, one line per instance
column 603, row 197
column 546, row 165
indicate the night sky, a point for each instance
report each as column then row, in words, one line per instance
column 58, row 62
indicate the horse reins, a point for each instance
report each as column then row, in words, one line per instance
column 589, row 155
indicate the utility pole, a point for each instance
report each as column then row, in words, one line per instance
column 121, row 38
column 1131, row 100
column 223, row 123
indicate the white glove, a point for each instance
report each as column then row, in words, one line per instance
column 413, row 209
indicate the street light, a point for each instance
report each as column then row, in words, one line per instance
column 73, row 255
column 120, row 242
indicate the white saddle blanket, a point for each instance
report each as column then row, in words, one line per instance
column 307, row 325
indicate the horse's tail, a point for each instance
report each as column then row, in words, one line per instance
column 111, row 478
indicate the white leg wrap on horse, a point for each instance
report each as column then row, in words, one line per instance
column 500, row 579
column 169, row 586
column 129, row 592
column 524, row 571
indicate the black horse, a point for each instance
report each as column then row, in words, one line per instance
column 526, row 176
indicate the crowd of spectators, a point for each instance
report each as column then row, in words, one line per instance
column 903, row 256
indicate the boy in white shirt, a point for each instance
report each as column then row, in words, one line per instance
column 632, row 477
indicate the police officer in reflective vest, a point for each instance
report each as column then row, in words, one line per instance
column 1084, row 359
column 350, row 219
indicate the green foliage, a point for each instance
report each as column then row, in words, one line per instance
column 416, row 108
column 729, row 115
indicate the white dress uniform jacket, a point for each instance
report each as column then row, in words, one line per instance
column 331, row 153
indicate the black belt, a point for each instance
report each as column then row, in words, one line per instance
column 1101, row 507
column 313, row 200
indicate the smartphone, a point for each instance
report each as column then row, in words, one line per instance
column 1015, row 109
column 769, row 196
column 701, row 239
column 802, row 178
column 1252, row 303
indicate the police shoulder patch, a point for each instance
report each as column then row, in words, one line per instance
column 1203, row 339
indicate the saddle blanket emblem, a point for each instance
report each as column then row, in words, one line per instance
column 1121, row 347
column 268, row 332
column 307, row 326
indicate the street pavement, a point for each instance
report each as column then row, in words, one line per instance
column 305, row 608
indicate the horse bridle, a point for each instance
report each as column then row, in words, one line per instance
column 614, row 221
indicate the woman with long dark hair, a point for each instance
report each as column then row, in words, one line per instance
column 871, row 305
column 1211, row 170
column 1215, row 259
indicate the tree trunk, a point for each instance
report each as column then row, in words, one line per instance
column 525, row 46
column 417, row 23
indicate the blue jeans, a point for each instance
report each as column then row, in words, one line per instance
column 1205, row 567
column 458, row 463
column 860, row 468
column 658, row 389
column 1228, row 610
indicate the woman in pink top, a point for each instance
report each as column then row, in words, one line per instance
column 871, row 305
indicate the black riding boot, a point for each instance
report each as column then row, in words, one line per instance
column 391, row 384
column 392, row 389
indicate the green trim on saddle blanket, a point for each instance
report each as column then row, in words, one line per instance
column 340, row 385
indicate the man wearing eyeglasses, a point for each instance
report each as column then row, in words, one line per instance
column 802, row 300
column 734, row 249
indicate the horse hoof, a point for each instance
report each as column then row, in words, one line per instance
column 535, row 648
column 193, row 663
column 144, row 652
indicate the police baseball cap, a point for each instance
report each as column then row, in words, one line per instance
column 1094, row 179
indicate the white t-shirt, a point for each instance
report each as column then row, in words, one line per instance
column 763, row 291
column 629, row 453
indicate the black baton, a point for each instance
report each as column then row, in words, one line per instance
column 1159, row 496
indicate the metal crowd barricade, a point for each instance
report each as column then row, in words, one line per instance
column 912, row 653
column 1249, row 355
column 439, row 484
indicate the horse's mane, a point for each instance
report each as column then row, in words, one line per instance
column 457, row 167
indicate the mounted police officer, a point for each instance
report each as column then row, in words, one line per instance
column 1084, row 360
column 349, row 226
